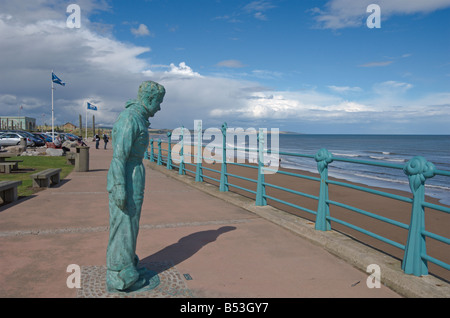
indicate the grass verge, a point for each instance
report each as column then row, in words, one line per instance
column 33, row 164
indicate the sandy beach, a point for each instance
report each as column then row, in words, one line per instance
column 435, row 221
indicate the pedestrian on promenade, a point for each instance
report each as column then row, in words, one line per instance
column 105, row 139
column 97, row 141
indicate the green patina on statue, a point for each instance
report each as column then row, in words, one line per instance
column 126, row 183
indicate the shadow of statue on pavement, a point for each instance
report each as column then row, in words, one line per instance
column 184, row 248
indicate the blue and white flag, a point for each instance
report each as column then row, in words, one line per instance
column 57, row 80
column 91, row 106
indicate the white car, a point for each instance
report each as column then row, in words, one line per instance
column 12, row 139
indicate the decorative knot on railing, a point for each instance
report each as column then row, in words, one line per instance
column 169, row 134
column 224, row 128
column 323, row 158
column 418, row 169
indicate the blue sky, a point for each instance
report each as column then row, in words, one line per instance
column 304, row 66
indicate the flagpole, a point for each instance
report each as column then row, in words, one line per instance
column 86, row 120
column 53, row 133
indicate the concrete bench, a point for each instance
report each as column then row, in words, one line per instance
column 8, row 190
column 6, row 166
column 45, row 178
column 16, row 167
column 70, row 156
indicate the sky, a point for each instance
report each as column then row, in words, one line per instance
column 312, row 66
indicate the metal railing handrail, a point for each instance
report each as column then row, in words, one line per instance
column 418, row 169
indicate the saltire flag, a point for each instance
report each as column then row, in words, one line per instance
column 91, row 106
column 57, row 80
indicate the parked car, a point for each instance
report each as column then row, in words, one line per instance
column 44, row 136
column 41, row 138
column 71, row 137
column 66, row 136
column 37, row 141
column 13, row 138
column 55, row 134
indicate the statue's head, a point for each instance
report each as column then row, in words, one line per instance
column 151, row 95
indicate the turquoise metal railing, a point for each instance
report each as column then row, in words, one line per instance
column 418, row 170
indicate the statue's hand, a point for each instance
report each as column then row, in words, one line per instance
column 120, row 197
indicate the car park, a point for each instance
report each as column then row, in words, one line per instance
column 13, row 138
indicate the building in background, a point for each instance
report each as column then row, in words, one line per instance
column 69, row 127
column 17, row 123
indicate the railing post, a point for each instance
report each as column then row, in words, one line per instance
column 199, row 172
column 169, row 151
column 323, row 158
column 261, row 188
column 181, row 170
column 159, row 163
column 418, row 169
column 223, row 173
column 152, row 151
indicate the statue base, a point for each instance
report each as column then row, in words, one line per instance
column 148, row 280
column 172, row 284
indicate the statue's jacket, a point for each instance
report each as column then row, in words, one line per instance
column 130, row 141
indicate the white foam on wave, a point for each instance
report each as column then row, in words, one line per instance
column 345, row 154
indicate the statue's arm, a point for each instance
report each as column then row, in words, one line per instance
column 124, row 136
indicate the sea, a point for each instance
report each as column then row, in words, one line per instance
column 393, row 149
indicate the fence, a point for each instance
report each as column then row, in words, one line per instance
column 418, row 170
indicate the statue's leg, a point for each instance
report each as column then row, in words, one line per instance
column 122, row 261
column 120, row 256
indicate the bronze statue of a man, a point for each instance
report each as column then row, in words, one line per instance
column 125, row 184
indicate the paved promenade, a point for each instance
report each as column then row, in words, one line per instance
column 200, row 245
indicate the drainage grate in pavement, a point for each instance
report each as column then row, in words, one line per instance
column 171, row 285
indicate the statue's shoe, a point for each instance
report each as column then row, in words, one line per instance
column 131, row 280
column 121, row 280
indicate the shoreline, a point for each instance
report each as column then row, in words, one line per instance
column 373, row 176
column 435, row 221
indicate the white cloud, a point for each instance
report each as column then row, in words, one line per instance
column 142, row 30
column 293, row 106
column 181, row 70
column 230, row 64
column 266, row 74
column 344, row 89
column 258, row 6
column 391, row 88
column 339, row 14
column 256, row 9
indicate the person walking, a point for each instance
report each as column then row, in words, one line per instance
column 105, row 139
column 97, row 141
